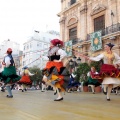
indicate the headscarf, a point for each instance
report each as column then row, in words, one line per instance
column 57, row 42
column 9, row 51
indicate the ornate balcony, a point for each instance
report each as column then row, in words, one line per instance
column 108, row 30
column 76, row 41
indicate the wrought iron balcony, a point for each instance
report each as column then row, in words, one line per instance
column 108, row 30
column 76, row 41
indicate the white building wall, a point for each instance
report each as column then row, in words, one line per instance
column 9, row 44
column 39, row 42
column 14, row 46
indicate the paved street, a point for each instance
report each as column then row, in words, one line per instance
column 37, row 105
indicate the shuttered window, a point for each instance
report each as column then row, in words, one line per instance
column 99, row 23
column 72, row 1
column 73, row 33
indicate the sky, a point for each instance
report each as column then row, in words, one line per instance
column 19, row 18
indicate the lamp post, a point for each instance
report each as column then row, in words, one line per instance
column 78, row 60
column 74, row 63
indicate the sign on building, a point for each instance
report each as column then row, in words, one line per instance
column 96, row 41
column 68, row 47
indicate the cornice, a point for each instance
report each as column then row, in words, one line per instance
column 70, row 7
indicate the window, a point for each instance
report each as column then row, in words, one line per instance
column 39, row 44
column 72, row 1
column 45, row 45
column 99, row 23
column 27, row 46
column 24, row 47
column 23, row 63
column 30, row 45
column 73, row 33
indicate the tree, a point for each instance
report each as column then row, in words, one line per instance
column 37, row 78
column 84, row 68
column 82, row 71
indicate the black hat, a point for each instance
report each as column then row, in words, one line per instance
column 110, row 45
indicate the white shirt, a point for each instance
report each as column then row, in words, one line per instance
column 7, row 61
column 73, row 75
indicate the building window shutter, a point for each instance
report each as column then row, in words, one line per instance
column 73, row 1
column 73, row 33
column 99, row 23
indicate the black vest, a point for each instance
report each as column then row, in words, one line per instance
column 54, row 57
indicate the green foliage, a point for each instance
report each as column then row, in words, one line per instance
column 82, row 71
column 96, row 65
column 84, row 68
column 38, row 75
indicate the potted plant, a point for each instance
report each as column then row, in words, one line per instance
column 81, row 73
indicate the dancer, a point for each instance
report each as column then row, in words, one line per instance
column 109, row 71
column 92, row 81
column 8, row 75
column 54, row 71
column 43, row 86
column 25, row 80
column 72, row 83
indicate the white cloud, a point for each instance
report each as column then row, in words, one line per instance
column 18, row 18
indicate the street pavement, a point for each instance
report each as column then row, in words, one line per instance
column 37, row 105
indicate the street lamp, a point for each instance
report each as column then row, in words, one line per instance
column 78, row 60
column 74, row 58
column 71, row 62
column 74, row 63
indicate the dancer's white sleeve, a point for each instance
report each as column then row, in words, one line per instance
column 62, row 53
column 7, row 61
column 30, row 74
column 117, row 59
column 97, row 58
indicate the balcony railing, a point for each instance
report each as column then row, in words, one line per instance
column 76, row 41
column 108, row 30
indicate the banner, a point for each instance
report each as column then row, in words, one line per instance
column 68, row 47
column 96, row 41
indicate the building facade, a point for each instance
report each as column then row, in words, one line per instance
column 36, row 48
column 79, row 19
column 16, row 50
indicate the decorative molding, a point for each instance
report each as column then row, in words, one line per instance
column 98, row 8
column 72, row 21
column 62, row 20
column 83, row 9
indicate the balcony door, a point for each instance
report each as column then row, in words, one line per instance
column 73, row 34
column 99, row 23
